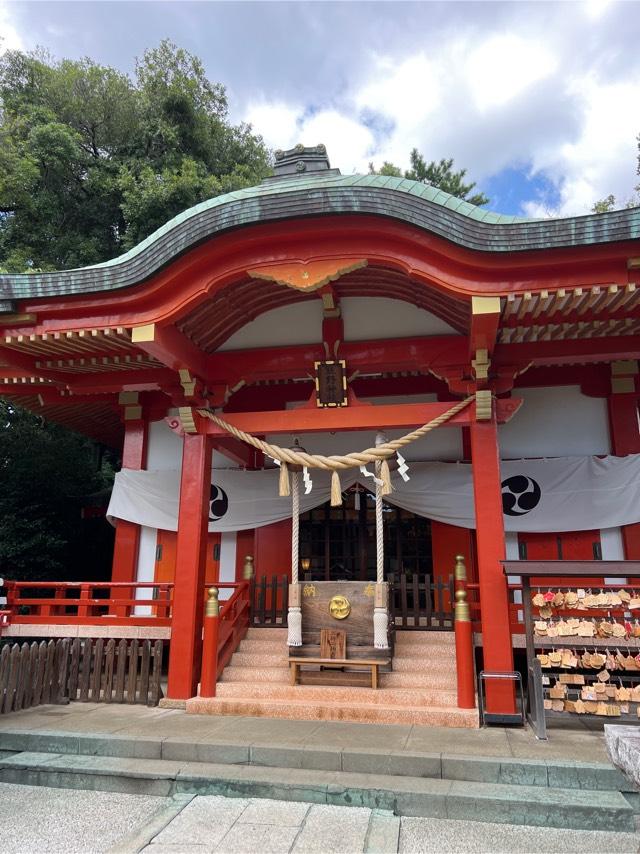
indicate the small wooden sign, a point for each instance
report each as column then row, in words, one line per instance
column 333, row 643
column 331, row 383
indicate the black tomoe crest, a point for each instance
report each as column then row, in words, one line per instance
column 218, row 503
column 520, row 495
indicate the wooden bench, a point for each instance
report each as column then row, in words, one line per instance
column 333, row 663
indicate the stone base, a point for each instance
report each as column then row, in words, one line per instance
column 623, row 746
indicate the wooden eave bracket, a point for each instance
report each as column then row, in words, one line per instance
column 484, row 406
column 485, row 320
column 187, row 419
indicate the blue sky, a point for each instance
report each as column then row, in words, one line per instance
column 539, row 101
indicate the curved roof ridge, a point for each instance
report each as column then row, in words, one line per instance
column 319, row 194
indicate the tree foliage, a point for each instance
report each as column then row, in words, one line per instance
column 45, row 472
column 436, row 174
column 92, row 161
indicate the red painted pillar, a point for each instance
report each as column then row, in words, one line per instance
column 494, row 600
column 625, row 439
column 188, row 594
column 125, row 550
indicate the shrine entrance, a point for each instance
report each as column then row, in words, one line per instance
column 339, row 543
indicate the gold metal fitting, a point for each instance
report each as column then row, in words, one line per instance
column 247, row 572
column 212, row 608
column 461, row 610
column 460, row 571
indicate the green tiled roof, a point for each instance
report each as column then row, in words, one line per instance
column 323, row 194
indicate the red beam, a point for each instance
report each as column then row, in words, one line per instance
column 367, row 417
column 169, row 346
column 567, row 352
column 237, row 451
column 112, row 382
column 392, row 355
column 15, row 359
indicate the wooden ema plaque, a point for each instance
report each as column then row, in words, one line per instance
column 339, row 606
column 331, row 383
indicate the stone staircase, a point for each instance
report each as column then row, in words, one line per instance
column 420, row 690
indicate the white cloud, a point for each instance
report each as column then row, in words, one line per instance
column 10, row 38
column 504, row 66
column 408, row 91
column 546, row 87
column 278, row 123
column 603, row 158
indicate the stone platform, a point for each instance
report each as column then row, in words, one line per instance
column 496, row 775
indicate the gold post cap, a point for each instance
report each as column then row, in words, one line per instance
column 212, row 608
column 247, row 571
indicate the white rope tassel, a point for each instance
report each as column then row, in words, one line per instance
column 294, row 618
column 380, row 628
column 380, row 615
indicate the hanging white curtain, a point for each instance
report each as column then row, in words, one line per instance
column 562, row 494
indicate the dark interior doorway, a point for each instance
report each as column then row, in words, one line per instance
column 340, row 542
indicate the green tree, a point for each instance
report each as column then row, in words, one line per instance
column 611, row 203
column 46, row 472
column 92, row 161
column 441, row 175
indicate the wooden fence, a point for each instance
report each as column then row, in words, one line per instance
column 421, row 603
column 80, row 669
column 269, row 600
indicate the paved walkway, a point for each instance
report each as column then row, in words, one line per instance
column 582, row 744
column 57, row 821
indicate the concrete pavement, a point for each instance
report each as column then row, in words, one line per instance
column 55, row 821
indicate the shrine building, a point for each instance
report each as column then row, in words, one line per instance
column 256, row 358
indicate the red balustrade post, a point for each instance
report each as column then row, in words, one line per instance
column 464, row 639
column 83, row 610
column 209, row 674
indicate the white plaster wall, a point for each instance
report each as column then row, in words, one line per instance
column 227, row 561
column 555, row 422
column 146, row 567
column 164, row 448
column 364, row 317
column 379, row 317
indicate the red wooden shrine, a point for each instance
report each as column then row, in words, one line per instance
column 204, row 313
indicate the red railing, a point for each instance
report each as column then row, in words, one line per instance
column 224, row 628
column 89, row 603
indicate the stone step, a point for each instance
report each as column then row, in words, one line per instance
column 425, row 638
column 253, row 675
column 255, row 659
column 554, row 773
column 421, row 664
column 265, row 646
column 420, row 679
column 328, row 694
column 268, row 634
column 404, row 795
column 355, row 711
